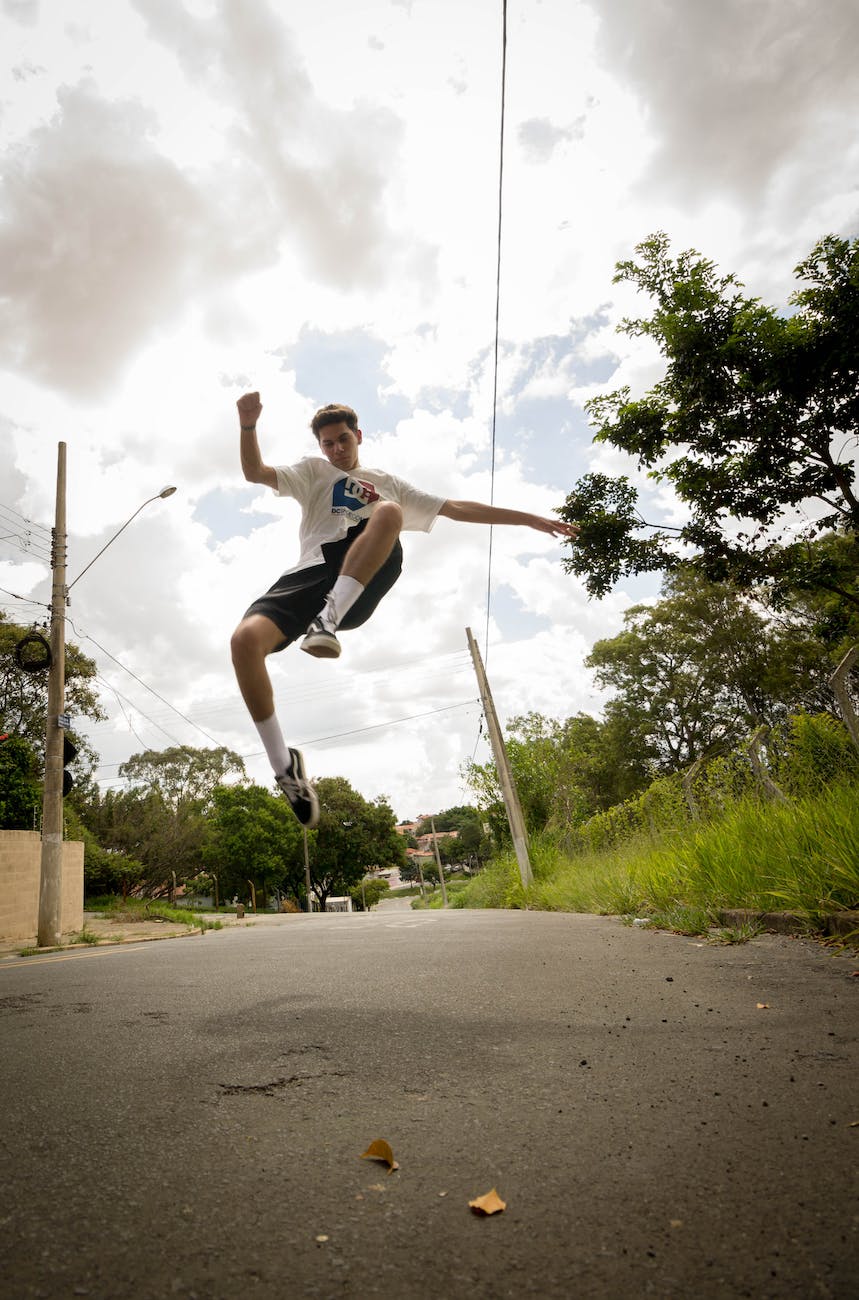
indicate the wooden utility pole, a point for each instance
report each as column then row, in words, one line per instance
column 511, row 799
column 51, row 881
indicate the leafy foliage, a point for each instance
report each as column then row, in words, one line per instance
column 251, row 834
column 181, row 775
column 159, row 821
column 699, row 669
column 563, row 771
column 20, row 785
column 24, row 698
column 353, row 835
column 756, row 416
column 367, row 893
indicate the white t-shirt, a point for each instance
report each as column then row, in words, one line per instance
column 333, row 501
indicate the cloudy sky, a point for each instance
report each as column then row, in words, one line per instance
column 201, row 197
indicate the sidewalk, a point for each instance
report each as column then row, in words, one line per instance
column 120, row 930
column 109, row 929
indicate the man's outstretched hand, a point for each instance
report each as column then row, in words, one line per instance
column 249, row 408
column 556, row 527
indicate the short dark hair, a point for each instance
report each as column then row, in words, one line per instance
column 334, row 413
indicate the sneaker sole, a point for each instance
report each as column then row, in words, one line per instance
column 300, row 772
column 321, row 648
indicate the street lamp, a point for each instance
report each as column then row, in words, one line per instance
column 165, row 492
column 51, row 870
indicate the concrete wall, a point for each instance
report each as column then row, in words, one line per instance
column 20, row 871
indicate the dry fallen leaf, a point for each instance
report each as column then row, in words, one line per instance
column 381, row 1150
column 491, row 1203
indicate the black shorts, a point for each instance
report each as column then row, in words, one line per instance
column 296, row 598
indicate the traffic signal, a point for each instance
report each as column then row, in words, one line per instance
column 69, row 753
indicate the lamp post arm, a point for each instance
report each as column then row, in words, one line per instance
column 165, row 492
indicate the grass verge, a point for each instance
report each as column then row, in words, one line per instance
column 801, row 857
column 149, row 909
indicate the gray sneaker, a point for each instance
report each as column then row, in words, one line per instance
column 298, row 790
column 319, row 642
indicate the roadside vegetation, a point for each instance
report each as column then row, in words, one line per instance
column 800, row 858
column 135, row 910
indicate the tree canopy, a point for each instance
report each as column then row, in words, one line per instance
column 754, row 426
column 181, row 774
column 24, row 698
column 352, row 836
column 159, row 819
column 252, row 834
column 700, row 668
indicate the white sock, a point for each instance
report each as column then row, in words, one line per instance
column 275, row 746
column 340, row 600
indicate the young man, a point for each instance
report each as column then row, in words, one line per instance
column 350, row 557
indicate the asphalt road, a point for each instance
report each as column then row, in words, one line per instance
column 187, row 1118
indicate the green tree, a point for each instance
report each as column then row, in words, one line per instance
column 353, row 835
column 20, row 786
column 182, row 775
column 24, row 698
column 698, row 670
column 251, row 834
column 564, row 771
column 756, row 417
column 367, row 893
column 160, row 818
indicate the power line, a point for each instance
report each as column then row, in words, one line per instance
column 30, row 523
column 341, row 735
column 375, row 726
column 497, row 310
column 145, row 685
column 119, row 699
column 26, row 600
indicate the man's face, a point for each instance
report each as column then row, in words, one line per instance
column 339, row 444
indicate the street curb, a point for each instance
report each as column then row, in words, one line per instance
column 836, row 924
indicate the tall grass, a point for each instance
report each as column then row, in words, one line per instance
column 799, row 856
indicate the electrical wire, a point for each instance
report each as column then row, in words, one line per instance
column 340, row 735
column 497, row 313
column 30, row 523
column 85, row 636
column 119, row 699
column 25, row 600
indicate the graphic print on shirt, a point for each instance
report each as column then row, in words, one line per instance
column 351, row 495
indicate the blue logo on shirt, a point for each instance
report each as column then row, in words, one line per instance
column 351, row 495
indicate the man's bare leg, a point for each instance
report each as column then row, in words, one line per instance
column 254, row 639
column 368, row 552
column 363, row 561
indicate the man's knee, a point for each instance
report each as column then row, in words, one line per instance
column 241, row 642
column 249, row 642
column 388, row 516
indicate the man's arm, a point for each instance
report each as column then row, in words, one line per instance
column 253, row 468
column 474, row 512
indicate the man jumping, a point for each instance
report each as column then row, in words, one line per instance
column 350, row 557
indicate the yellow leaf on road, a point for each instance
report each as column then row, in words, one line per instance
column 491, row 1203
column 381, row 1150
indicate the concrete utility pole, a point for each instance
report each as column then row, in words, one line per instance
column 51, row 882
column 438, row 862
column 307, row 872
column 511, row 799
